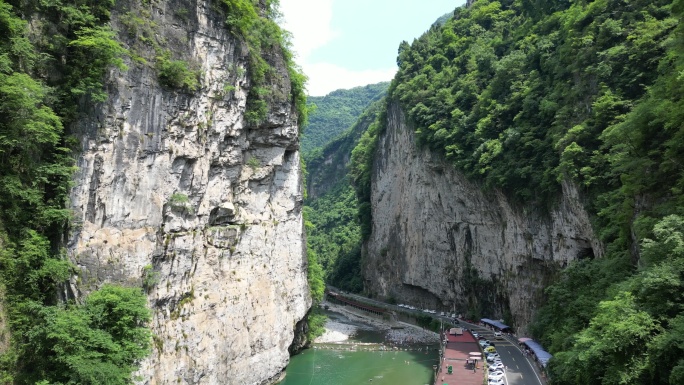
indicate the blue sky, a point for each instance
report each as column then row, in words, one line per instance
column 350, row 43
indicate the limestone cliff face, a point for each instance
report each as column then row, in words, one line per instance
column 440, row 242
column 177, row 193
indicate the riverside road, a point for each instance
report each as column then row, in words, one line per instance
column 519, row 369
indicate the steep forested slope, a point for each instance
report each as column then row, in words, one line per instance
column 524, row 94
column 336, row 112
column 333, row 228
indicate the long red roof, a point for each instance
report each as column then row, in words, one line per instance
column 457, row 350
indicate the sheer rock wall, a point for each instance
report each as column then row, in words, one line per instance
column 177, row 193
column 440, row 242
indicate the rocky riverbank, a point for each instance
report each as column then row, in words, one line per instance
column 396, row 333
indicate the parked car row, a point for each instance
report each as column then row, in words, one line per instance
column 496, row 374
column 496, row 369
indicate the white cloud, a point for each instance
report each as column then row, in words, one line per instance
column 309, row 21
column 325, row 77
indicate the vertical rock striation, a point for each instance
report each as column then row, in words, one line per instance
column 439, row 241
column 177, row 193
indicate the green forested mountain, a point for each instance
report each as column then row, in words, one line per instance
column 330, row 164
column 333, row 227
column 525, row 94
column 336, row 112
column 442, row 19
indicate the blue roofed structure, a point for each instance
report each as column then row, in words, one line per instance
column 496, row 324
column 542, row 355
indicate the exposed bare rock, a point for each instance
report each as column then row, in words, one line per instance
column 440, row 242
column 177, row 193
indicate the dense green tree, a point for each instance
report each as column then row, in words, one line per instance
column 493, row 89
column 335, row 113
column 98, row 342
column 634, row 334
column 48, row 342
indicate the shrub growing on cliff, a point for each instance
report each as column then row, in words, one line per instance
column 176, row 74
column 180, row 201
column 149, row 277
column 253, row 162
column 263, row 35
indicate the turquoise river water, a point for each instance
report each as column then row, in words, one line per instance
column 330, row 364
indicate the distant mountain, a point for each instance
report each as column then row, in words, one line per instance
column 331, row 209
column 442, row 19
column 328, row 165
column 336, row 112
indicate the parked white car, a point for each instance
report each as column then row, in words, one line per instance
column 492, row 357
